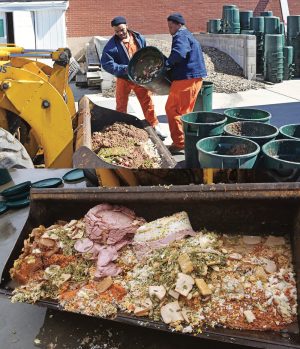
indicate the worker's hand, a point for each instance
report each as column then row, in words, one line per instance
column 167, row 65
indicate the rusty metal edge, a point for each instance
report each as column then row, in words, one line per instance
column 223, row 191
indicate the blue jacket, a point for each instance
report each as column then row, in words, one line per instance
column 186, row 59
column 114, row 57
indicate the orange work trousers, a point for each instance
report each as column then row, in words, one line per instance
column 123, row 89
column 181, row 100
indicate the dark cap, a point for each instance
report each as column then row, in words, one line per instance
column 118, row 20
column 176, row 17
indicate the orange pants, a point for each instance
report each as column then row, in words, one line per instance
column 123, row 89
column 181, row 100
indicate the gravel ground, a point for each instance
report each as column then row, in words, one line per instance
column 222, row 70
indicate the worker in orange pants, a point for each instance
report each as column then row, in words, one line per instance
column 115, row 58
column 181, row 100
column 123, row 89
column 187, row 68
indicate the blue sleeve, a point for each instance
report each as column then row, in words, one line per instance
column 180, row 49
column 108, row 63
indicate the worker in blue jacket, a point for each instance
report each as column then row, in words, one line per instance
column 187, row 69
column 115, row 58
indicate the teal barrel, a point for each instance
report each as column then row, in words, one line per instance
column 204, row 98
column 147, row 69
column 247, row 114
column 231, row 21
column 198, row 125
column 257, row 24
column 267, row 13
column 289, row 67
column 256, row 131
column 272, row 25
column 291, row 131
column 282, row 28
column 293, row 27
column 297, row 55
column 214, row 26
column 245, row 19
column 273, row 58
column 281, row 154
column 227, row 152
column 227, row 7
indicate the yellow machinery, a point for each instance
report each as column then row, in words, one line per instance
column 36, row 99
column 40, row 99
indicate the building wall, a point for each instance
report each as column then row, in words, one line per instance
column 92, row 17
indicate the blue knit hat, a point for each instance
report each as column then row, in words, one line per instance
column 118, row 20
column 176, row 17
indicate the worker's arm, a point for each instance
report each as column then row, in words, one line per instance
column 180, row 49
column 108, row 63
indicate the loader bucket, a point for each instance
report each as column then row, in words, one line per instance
column 93, row 118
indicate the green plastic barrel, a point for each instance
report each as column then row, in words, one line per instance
column 204, row 98
column 5, row 176
column 214, row 26
column 266, row 13
column 231, row 21
column 282, row 28
column 256, row 131
column 296, row 45
column 245, row 19
column 288, row 54
column 273, row 58
column 247, row 114
column 198, row 125
column 293, row 27
column 272, row 25
column 257, row 24
column 227, row 7
column 147, row 69
column 291, row 131
column 227, row 152
column 282, row 154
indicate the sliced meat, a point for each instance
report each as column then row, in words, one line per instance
column 106, row 255
column 83, row 245
column 111, row 269
column 109, row 224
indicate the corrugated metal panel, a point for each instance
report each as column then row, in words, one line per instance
column 50, row 29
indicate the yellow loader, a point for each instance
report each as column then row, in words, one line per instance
column 37, row 103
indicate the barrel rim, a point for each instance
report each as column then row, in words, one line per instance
column 279, row 141
column 275, row 134
column 137, row 52
column 254, row 153
column 205, row 123
column 284, row 134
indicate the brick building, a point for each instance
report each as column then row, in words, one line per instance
column 87, row 18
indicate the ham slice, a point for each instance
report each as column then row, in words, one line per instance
column 109, row 224
column 109, row 228
column 83, row 245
